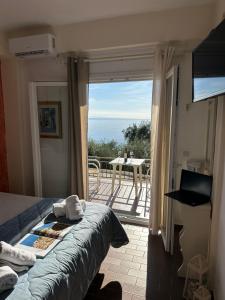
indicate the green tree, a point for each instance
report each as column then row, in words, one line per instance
column 130, row 133
column 140, row 132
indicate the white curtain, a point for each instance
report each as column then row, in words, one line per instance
column 159, row 141
column 215, row 249
column 78, row 77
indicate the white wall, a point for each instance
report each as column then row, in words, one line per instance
column 192, row 117
column 51, row 69
column 17, row 74
column 46, row 69
column 54, row 151
column 191, row 124
column 3, row 44
column 178, row 24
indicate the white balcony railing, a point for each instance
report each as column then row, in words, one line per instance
column 127, row 171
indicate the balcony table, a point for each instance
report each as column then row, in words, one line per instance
column 136, row 163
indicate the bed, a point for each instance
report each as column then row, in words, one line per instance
column 68, row 270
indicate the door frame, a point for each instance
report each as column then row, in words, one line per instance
column 168, row 234
column 125, row 217
column 35, row 134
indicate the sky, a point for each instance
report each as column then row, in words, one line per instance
column 132, row 99
column 126, row 100
column 206, row 87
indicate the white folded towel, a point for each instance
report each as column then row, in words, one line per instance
column 59, row 209
column 8, row 278
column 14, row 267
column 74, row 210
column 83, row 204
column 15, row 255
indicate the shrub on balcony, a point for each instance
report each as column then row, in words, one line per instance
column 103, row 149
column 137, row 139
column 111, row 149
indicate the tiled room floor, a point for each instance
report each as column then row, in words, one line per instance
column 123, row 273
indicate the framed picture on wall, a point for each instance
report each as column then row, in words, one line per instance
column 50, row 119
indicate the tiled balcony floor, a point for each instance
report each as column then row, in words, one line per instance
column 123, row 199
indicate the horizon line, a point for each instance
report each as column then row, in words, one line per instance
column 120, row 118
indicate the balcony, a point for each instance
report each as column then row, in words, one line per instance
column 123, row 200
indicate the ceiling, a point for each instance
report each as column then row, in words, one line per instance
column 15, row 14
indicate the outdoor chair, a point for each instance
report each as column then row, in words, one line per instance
column 94, row 169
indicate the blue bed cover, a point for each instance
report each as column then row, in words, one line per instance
column 68, row 270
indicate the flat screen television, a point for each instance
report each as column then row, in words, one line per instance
column 208, row 66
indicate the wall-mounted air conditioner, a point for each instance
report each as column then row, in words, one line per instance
column 33, row 46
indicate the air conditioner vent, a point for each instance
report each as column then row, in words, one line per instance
column 38, row 52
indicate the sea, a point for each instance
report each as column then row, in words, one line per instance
column 106, row 129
